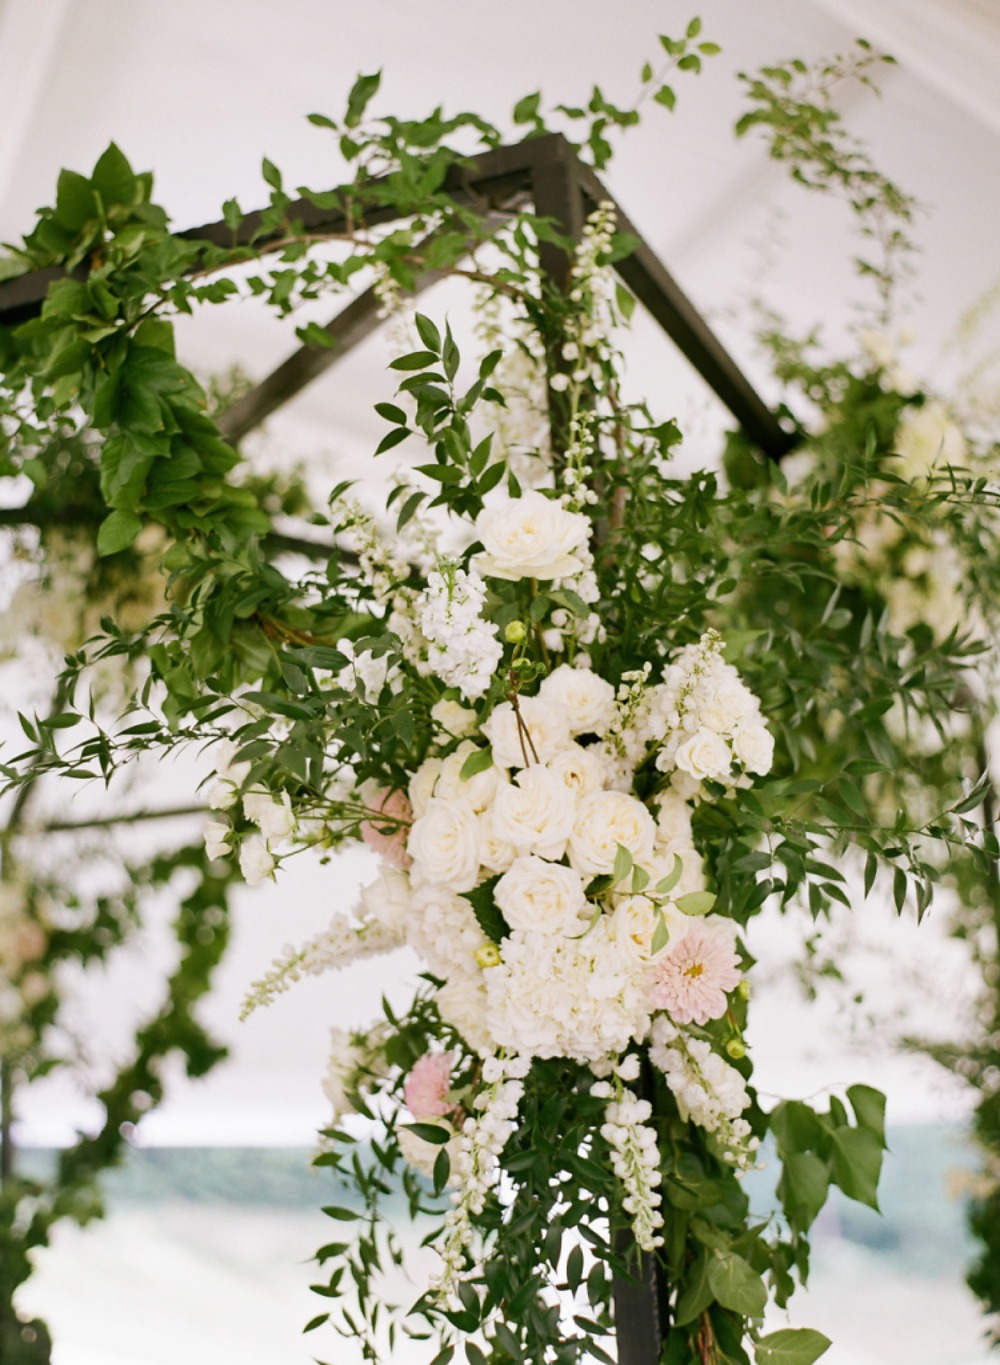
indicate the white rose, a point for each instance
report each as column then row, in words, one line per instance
column 604, row 821
column 535, row 814
column 421, row 787
column 635, row 922
column 546, row 897
column 579, row 769
column 705, row 754
column 229, row 776
column 531, row 537
column 461, row 1003
column 273, row 818
column 753, row 746
column 587, row 699
column 663, row 863
column 256, row 862
column 444, row 845
column 454, row 718
column 495, row 854
column 547, row 727
column 217, row 834
column 476, row 791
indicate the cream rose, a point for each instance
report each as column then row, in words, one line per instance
column 579, row 769
column 673, row 818
column 545, row 897
column 444, row 845
column 705, row 754
column 273, row 818
column 535, row 814
column 422, row 783
column 604, row 821
column 729, row 706
column 256, row 862
column 454, row 718
column 635, row 922
column 495, row 854
column 531, row 537
column 586, row 699
column 477, row 791
column 753, row 746
column 546, row 725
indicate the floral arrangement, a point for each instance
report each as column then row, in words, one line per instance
column 550, row 688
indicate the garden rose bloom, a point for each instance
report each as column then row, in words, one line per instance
column 586, row 699
column 426, row 1086
column 273, row 818
column 256, row 862
column 444, row 845
column 579, row 769
column 546, row 724
column 531, row 537
column 753, row 746
column 693, row 976
column 546, row 897
column 636, row 920
column 217, row 834
column 604, row 821
column 388, row 840
column 535, row 814
column 705, row 754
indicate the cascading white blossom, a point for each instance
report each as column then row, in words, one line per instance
column 464, row 650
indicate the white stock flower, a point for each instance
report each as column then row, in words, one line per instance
column 539, row 895
column 444, row 845
column 603, row 821
column 704, row 755
column 273, row 818
column 256, row 861
column 546, row 726
column 587, row 699
column 535, row 814
column 531, row 537
column 464, row 650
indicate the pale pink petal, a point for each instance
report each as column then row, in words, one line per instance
column 388, row 839
column 691, row 980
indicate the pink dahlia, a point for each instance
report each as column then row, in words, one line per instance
column 426, row 1086
column 388, row 837
column 691, row 980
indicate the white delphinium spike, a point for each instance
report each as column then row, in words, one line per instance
column 634, row 1156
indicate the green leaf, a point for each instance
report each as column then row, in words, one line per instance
column 391, row 413
column 113, row 177
column 623, row 864
column 666, row 97
column 666, row 884
column 271, row 174
column 117, row 532
column 413, row 360
column 357, row 101
column 696, row 902
column 805, row 1184
column 696, row 1294
column 526, row 109
column 491, row 921
column 428, row 334
column 869, row 1108
column 857, row 1163
column 791, row 1346
column 342, row 1215
column 477, row 762
column 736, row 1284
column 429, row 1132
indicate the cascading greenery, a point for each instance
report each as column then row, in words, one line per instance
column 351, row 692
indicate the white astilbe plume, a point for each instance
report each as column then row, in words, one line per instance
column 342, row 942
column 708, row 1091
column 484, row 1136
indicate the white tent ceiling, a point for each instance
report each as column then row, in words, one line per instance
column 199, row 90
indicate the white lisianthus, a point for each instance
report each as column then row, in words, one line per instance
column 753, row 746
column 546, row 725
column 587, row 699
column 454, row 718
column 273, row 818
column 546, row 897
column 579, row 769
column 535, row 814
column 256, row 861
column 704, row 755
column 422, row 783
column 531, row 537
column 217, row 834
column 603, row 821
column 444, row 845
column 476, row 791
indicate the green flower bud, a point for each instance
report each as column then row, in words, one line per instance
column 488, row 955
column 736, row 1048
column 515, row 632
